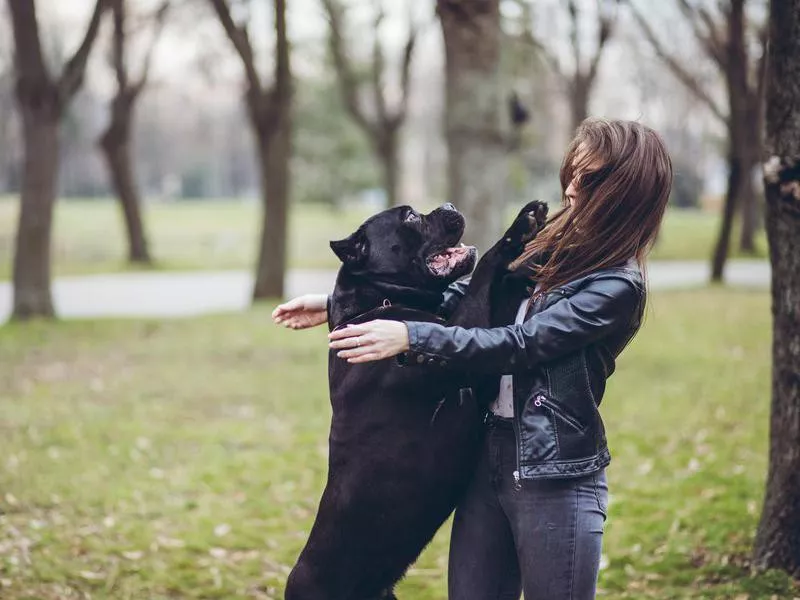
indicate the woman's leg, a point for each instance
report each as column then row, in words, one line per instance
column 483, row 559
column 558, row 530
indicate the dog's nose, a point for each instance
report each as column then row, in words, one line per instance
column 448, row 206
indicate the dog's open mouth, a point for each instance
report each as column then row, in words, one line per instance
column 447, row 261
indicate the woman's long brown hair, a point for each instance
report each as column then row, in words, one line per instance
column 623, row 176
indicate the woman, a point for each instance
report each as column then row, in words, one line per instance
column 532, row 518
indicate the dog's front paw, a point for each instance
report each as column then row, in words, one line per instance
column 528, row 223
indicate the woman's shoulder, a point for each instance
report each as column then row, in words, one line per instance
column 629, row 271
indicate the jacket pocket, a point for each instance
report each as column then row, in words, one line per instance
column 538, row 440
column 558, row 412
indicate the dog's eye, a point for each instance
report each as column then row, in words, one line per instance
column 412, row 217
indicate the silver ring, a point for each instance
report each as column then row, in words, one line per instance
column 358, row 342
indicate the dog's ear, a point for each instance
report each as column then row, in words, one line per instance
column 353, row 250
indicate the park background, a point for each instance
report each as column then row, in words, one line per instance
column 164, row 439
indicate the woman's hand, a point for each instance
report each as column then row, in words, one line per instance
column 302, row 312
column 370, row 341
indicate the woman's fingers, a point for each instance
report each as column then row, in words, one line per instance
column 350, row 342
column 349, row 332
column 365, row 358
column 287, row 307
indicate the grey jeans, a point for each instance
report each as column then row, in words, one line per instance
column 543, row 536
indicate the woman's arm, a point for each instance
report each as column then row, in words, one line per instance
column 605, row 305
column 302, row 312
column 452, row 297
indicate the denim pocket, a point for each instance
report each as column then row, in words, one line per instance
column 601, row 492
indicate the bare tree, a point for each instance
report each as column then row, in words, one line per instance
column 42, row 99
column 7, row 146
column 475, row 114
column 579, row 78
column 269, row 110
column 723, row 38
column 777, row 543
column 116, row 140
column 382, row 129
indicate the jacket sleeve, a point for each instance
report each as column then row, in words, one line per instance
column 452, row 296
column 603, row 307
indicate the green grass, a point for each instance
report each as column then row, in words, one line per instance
column 691, row 235
column 185, row 459
column 89, row 238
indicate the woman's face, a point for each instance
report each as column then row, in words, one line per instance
column 571, row 193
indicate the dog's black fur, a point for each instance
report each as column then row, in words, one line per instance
column 403, row 440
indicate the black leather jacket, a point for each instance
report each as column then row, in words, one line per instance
column 560, row 358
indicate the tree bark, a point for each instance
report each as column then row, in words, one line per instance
column 270, row 114
column 749, row 205
column 738, row 162
column 273, row 123
column 116, row 141
column 274, row 150
column 32, row 297
column 579, row 102
column 116, row 146
column 721, row 248
column 41, row 100
column 390, row 164
column 474, row 111
column 777, row 543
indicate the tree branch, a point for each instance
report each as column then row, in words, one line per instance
column 710, row 40
column 28, row 49
column 72, row 75
column 118, row 43
column 283, row 80
column 160, row 18
column 573, row 35
column 378, row 66
column 348, row 84
column 683, row 75
column 605, row 28
column 405, row 73
column 241, row 42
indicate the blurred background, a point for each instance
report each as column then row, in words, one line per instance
column 172, row 158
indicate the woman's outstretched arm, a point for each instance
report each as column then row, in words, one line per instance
column 302, row 312
column 601, row 308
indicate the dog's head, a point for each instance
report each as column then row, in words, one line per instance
column 405, row 247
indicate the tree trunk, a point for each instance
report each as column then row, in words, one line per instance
column 736, row 84
column 777, row 543
column 579, row 102
column 749, row 205
column 722, row 247
column 32, row 297
column 390, row 165
column 116, row 146
column 274, row 150
column 474, row 118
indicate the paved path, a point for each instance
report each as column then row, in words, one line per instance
column 183, row 294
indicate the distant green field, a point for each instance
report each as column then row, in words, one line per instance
column 89, row 238
column 157, row 460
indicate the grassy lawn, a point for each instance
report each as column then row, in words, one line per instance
column 185, row 459
column 89, row 235
column 89, row 238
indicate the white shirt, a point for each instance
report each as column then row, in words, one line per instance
column 503, row 405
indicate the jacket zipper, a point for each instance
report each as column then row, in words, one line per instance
column 533, row 308
column 515, row 474
column 541, row 399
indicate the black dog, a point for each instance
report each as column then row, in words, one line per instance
column 403, row 440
